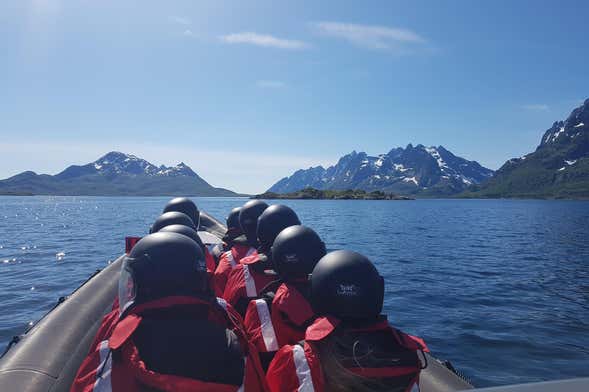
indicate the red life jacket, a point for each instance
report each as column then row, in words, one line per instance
column 227, row 261
column 298, row 367
column 111, row 318
column 114, row 364
column 209, row 262
column 245, row 283
column 271, row 323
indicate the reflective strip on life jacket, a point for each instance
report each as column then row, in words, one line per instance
column 250, row 284
column 303, row 370
column 103, row 371
column 230, row 259
column 266, row 326
column 222, row 302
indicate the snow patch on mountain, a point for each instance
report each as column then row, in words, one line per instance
column 557, row 134
column 411, row 179
column 467, row 181
column 436, row 155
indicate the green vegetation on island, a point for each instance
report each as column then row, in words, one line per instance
column 316, row 194
column 11, row 193
column 539, row 177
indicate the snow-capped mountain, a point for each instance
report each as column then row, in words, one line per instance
column 118, row 163
column 115, row 173
column 558, row 168
column 410, row 170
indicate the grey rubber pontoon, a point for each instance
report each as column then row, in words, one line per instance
column 47, row 356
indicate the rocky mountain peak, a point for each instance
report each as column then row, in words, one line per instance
column 115, row 162
column 570, row 130
column 116, row 156
column 180, row 169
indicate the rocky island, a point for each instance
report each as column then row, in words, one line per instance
column 316, row 194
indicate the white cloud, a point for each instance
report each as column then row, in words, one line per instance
column 240, row 171
column 179, row 20
column 371, row 36
column 536, row 107
column 188, row 33
column 264, row 40
column 270, row 84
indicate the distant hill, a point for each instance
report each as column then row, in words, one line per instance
column 559, row 168
column 114, row 174
column 419, row 170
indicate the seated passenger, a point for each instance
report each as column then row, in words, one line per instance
column 233, row 236
column 281, row 316
column 172, row 333
column 247, row 220
column 184, row 230
column 234, row 231
column 191, row 233
column 171, row 218
column 350, row 346
column 111, row 317
column 248, row 279
column 186, row 206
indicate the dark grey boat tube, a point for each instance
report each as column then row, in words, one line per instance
column 47, row 357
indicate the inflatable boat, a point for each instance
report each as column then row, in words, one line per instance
column 47, row 356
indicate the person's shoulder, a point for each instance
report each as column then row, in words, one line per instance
column 283, row 355
column 249, row 259
column 281, row 293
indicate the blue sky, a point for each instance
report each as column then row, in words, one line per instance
column 247, row 92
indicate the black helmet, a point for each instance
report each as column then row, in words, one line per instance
column 346, row 284
column 171, row 218
column 248, row 218
column 233, row 228
column 233, row 219
column 162, row 265
column 295, row 252
column 272, row 221
column 184, row 230
column 185, row 205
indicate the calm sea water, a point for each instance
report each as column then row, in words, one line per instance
column 499, row 287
